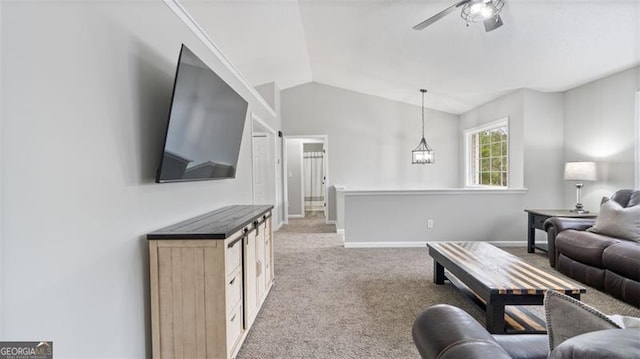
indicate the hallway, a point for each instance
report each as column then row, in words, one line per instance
column 314, row 222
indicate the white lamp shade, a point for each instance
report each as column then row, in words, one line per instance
column 580, row 171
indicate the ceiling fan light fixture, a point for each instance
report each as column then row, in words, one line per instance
column 492, row 23
column 477, row 9
column 485, row 11
column 481, row 10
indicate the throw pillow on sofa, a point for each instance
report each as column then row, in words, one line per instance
column 601, row 344
column 568, row 317
column 617, row 221
column 625, row 321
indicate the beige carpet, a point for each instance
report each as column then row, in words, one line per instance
column 332, row 302
column 313, row 222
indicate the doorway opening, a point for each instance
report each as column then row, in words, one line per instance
column 306, row 177
column 313, row 179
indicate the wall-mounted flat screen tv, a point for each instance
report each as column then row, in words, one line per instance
column 205, row 125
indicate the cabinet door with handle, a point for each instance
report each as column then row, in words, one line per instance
column 268, row 244
column 260, row 263
column 250, row 292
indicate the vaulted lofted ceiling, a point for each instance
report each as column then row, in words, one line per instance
column 369, row 46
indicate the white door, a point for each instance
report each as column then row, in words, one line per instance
column 260, row 169
column 293, row 179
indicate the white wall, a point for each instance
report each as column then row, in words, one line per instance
column 399, row 218
column 370, row 138
column 592, row 122
column 535, row 142
column 511, row 106
column 535, row 153
column 600, row 127
column 271, row 94
column 543, row 154
column 85, row 93
column 338, row 193
column 2, row 228
column 535, row 147
column 293, row 171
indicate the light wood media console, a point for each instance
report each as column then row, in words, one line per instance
column 209, row 277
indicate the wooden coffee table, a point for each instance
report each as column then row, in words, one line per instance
column 496, row 278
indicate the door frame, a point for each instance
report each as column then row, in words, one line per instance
column 274, row 139
column 324, row 139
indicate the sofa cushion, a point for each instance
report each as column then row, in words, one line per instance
column 617, row 221
column 623, row 258
column 621, row 196
column 597, row 345
column 586, row 247
column 622, row 288
column 524, row 346
column 568, row 317
column 586, row 274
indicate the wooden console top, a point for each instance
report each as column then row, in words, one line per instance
column 218, row 224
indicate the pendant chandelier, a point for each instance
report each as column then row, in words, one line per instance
column 423, row 154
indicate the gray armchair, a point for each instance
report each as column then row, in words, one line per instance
column 447, row 332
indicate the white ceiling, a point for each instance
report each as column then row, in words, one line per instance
column 369, row 46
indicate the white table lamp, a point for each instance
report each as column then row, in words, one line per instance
column 579, row 171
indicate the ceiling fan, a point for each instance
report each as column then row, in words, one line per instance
column 486, row 11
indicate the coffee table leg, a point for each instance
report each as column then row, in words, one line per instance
column 531, row 235
column 495, row 317
column 438, row 273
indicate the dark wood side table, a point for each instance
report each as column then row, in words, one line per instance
column 536, row 221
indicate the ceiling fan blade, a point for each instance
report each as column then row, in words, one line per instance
column 439, row 15
column 492, row 23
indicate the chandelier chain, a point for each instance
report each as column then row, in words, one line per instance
column 423, row 91
column 423, row 114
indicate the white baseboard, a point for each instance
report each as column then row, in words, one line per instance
column 279, row 226
column 340, row 231
column 385, row 244
column 509, row 243
column 418, row 244
column 296, row 216
column 331, row 222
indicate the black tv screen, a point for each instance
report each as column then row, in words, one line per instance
column 205, row 125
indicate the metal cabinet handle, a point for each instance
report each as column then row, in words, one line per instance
column 256, row 224
column 230, row 245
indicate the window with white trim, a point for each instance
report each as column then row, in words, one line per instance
column 487, row 155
